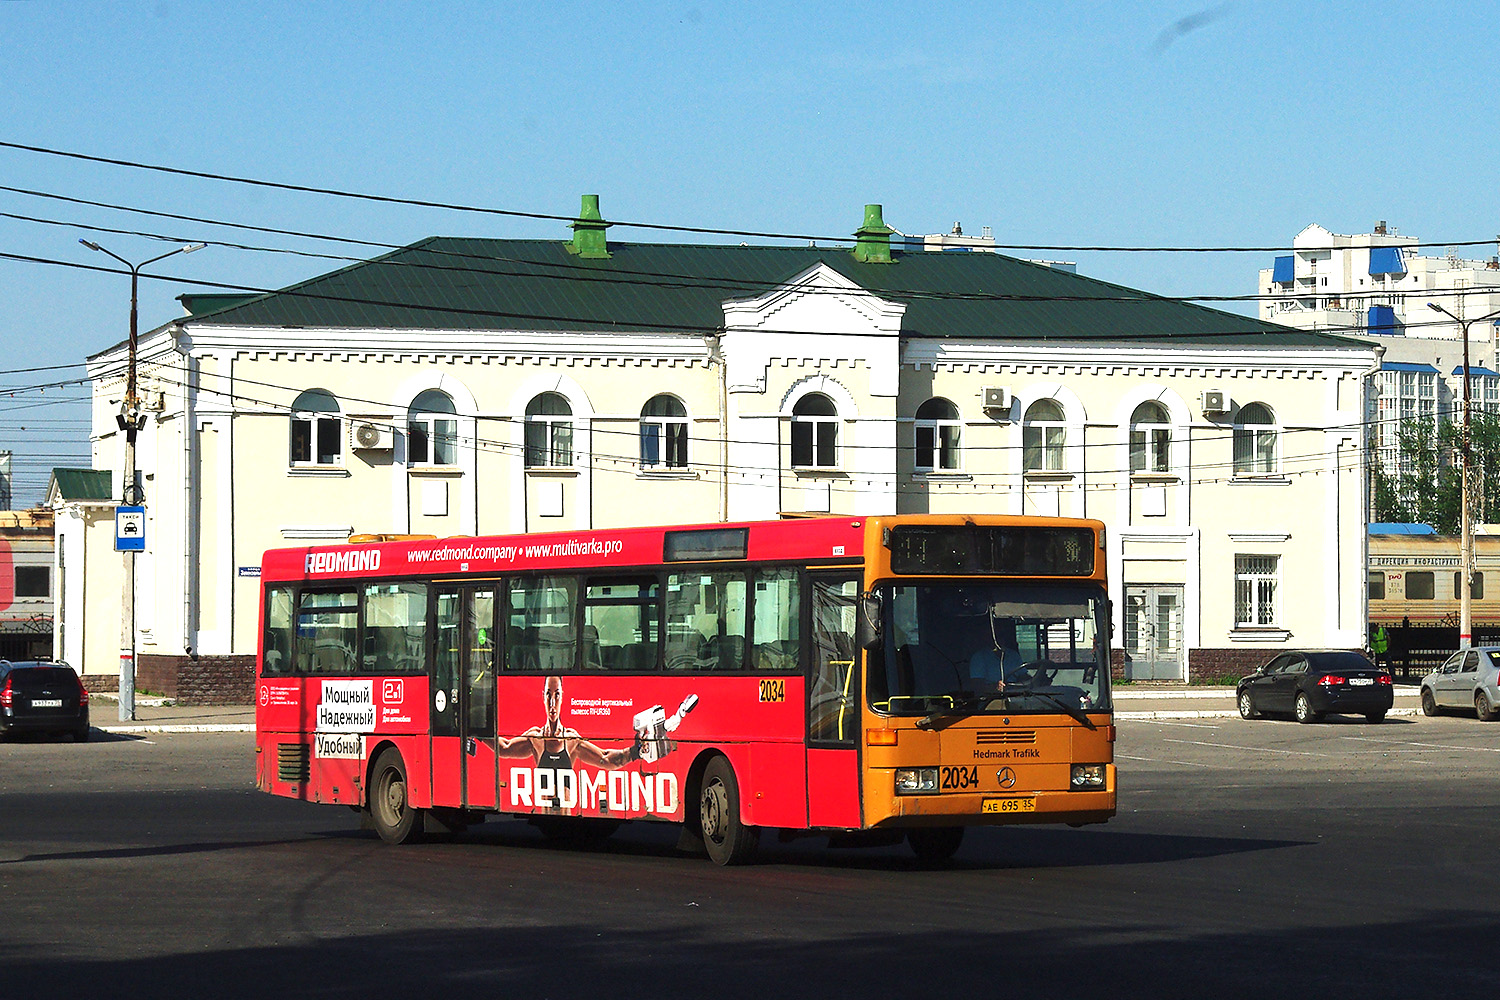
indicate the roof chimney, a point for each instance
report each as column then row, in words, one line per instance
column 588, row 231
column 873, row 239
column 1380, row 228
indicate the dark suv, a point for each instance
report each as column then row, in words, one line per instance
column 38, row 696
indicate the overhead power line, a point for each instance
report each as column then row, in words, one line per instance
column 659, row 226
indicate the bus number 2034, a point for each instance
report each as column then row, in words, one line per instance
column 958, row 778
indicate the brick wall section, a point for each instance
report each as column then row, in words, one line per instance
column 156, row 674
column 217, row 680
column 205, row 680
column 1221, row 662
column 94, row 683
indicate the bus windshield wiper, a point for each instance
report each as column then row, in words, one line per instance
column 960, row 704
column 1073, row 710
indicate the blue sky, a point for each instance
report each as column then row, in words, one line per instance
column 1078, row 123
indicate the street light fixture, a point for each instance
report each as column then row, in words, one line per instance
column 1466, row 539
column 130, row 421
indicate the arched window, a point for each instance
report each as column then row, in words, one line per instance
column 1150, row 438
column 664, row 433
column 432, row 430
column 937, row 436
column 549, row 432
column 1043, row 436
column 1255, row 441
column 317, row 430
column 815, row 432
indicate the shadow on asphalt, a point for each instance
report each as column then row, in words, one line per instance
column 984, row 849
column 617, row 959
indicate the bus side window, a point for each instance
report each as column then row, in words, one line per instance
column 619, row 612
column 327, row 632
column 276, row 657
column 539, row 623
column 777, row 615
column 395, row 628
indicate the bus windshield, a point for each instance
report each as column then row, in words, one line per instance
column 963, row 648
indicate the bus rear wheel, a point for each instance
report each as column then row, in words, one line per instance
column 935, row 843
column 726, row 838
column 391, row 813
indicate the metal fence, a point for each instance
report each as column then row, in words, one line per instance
column 1416, row 650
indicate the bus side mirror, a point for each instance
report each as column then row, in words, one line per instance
column 867, row 621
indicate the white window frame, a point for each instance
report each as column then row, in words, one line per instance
column 1151, row 441
column 937, row 441
column 435, row 430
column 548, row 437
column 315, row 423
column 1257, row 590
column 821, row 431
column 1257, row 447
column 1045, row 439
column 670, row 435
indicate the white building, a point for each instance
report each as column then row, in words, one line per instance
column 472, row 386
column 1379, row 284
column 1379, row 287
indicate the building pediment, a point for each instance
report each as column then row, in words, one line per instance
column 817, row 317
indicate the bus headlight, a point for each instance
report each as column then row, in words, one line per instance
column 916, row 780
column 1088, row 775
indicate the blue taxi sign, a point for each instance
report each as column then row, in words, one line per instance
column 130, row 529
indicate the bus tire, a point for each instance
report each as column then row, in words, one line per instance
column 935, row 843
column 726, row 838
column 395, row 819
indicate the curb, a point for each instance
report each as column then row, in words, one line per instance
column 1215, row 714
column 1135, row 695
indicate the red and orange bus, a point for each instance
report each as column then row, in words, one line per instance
column 896, row 676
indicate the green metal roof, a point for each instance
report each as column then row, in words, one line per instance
column 81, row 484
column 455, row 283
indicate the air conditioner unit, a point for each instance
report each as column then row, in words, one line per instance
column 1214, row 401
column 996, row 399
column 364, row 436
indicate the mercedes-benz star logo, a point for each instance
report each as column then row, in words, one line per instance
column 1006, row 777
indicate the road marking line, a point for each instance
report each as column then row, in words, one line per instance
column 1423, row 746
column 1163, row 760
column 1189, row 725
column 1232, row 746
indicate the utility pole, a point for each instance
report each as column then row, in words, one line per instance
column 131, row 420
column 1466, row 541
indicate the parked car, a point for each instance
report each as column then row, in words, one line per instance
column 40, row 696
column 1469, row 680
column 1309, row 685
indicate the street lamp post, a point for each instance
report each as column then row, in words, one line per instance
column 130, row 494
column 1466, row 538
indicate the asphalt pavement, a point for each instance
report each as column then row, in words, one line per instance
column 1132, row 701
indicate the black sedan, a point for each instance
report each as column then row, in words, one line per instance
column 41, row 697
column 1309, row 685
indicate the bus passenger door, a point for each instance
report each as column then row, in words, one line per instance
column 463, row 699
column 833, row 704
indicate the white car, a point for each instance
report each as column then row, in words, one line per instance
column 1469, row 679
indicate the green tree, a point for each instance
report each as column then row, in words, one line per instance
column 1427, row 486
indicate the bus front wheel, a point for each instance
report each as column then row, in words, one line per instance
column 391, row 813
column 727, row 840
column 935, row 843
